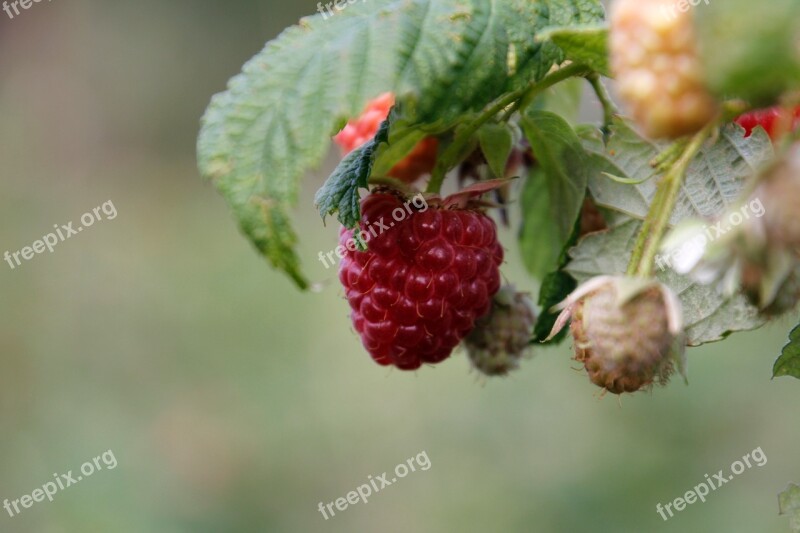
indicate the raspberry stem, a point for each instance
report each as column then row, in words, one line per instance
column 657, row 221
column 609, row 108
column 450, row 157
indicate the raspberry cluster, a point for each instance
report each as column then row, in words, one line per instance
column 659, row 73
column 418, row 162
column 420, row 285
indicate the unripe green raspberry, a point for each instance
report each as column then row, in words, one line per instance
column 655, row 60
column 502, row 338
column 627, row 331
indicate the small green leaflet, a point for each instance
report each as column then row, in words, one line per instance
column 340, row 193
column 788, row 364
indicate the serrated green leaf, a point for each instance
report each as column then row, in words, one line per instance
column 522, row 57
column 444, row 57
column 708, row 316
column 340, row 192
column 789, row 504
column 552, row 198
column 587, row 45
column 713, row 181
column 496, row 142
column 788, row 364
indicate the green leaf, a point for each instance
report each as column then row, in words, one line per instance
column 586, row 44
column 708, row 316
column 496, row 142
column 713, row 181
column 538, row 241
column 788, row 364
column 553, row 198
column 340, row 193
column 542, row 241
column 789, row 503
column 443, row 57
column 750, row 48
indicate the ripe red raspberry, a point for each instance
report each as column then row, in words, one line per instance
column 654, row 56
column 503, row 337
column 625, row 330
column 428, row 273
column 418, row 162
column 767, row 119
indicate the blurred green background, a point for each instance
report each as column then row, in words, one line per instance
column 231, row 401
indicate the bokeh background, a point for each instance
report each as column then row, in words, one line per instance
column 233, row 402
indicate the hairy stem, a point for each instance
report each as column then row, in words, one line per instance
column 518, row 99
column 657, row 221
